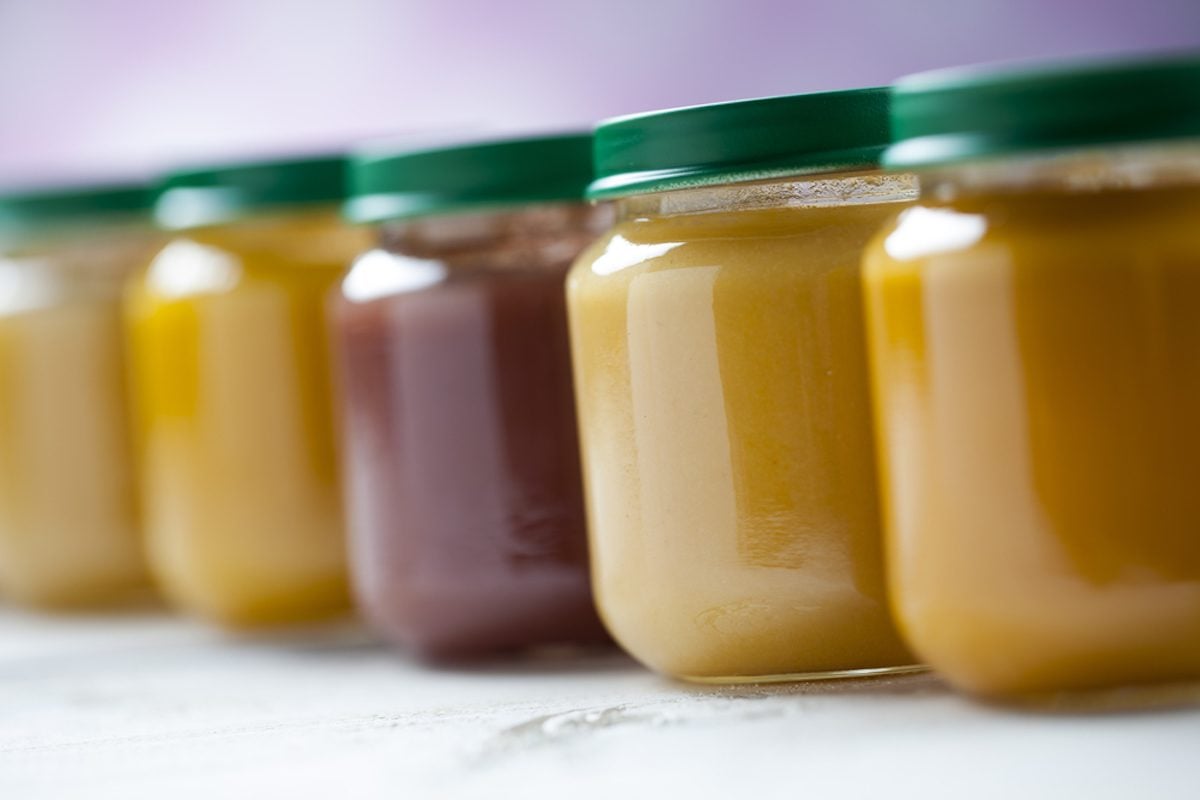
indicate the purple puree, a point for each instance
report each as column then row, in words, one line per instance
column 461, row 458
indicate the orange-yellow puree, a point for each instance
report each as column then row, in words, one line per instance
column 1037, row 375
column 233, row 395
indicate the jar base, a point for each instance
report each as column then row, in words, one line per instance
column 799, row 677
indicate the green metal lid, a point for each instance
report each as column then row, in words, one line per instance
column 225, row 193
column 744, row 140
column 398, row 184
column 954, row 115
column 77, row 206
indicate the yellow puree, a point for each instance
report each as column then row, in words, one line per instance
column 724, row 416
column 68, row 517
column 1037, row 364
column 231, row 372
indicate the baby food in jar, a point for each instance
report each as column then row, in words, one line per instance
column 233, row 393
column 721, row 379
column 462, row 466
column 68, row 517
column 1035, row 337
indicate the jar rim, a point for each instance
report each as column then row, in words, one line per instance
column 843, row 188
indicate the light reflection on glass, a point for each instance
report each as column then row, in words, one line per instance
column 379, row 274
column 621, row 253
column 185, row 268
column 26, row 285
column 927, row 231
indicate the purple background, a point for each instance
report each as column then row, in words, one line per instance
column 98, row 88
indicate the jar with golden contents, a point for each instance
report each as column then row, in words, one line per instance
column 1035, row 333
column 721, row 378
column 69, row 529
column 233, row 392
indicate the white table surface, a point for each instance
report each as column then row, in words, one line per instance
column 148, row 706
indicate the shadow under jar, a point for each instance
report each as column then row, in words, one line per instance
column 721, row 376
column 1035, row 338
column 461, row 458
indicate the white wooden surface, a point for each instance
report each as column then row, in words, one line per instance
column 147, row 706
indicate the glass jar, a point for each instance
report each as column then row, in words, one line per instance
column 462, row 467
column 1035, row 327
column 234, row 398
column 68, row 517
column 720, row 371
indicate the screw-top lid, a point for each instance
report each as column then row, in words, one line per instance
column 397, row 184
column 744, row 140
column 77, row 206
column 224, row 193
column 962, row 114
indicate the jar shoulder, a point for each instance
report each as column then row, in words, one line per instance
column 388, row 276
column 1041, row 228
column 786, row 244
column 193, row 269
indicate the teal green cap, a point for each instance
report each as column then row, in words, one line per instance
column 218, row 194
column 745, row 140
column 404, row 183
column 964, row 114
column 76, row 206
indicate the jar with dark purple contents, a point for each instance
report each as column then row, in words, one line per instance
column 460, row 454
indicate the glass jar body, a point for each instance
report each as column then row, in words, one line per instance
column 234, row 409
column 461, row 461
column 1034, row 331
column 721, row 380
column 69, row 532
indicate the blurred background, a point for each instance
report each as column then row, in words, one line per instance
column 109, row 88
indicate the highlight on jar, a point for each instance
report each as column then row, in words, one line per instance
column 721, row 379
column 69, row 530
column 230, row 370
column 461, row 459
column 1035, row 332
